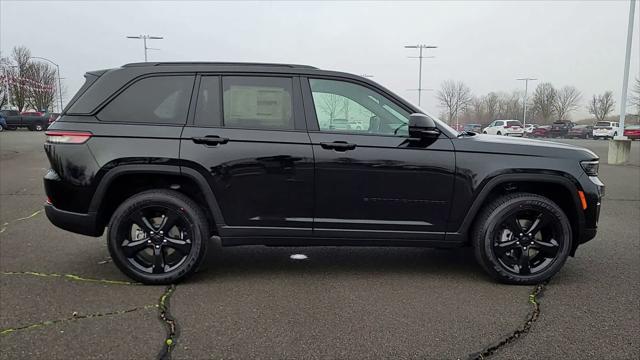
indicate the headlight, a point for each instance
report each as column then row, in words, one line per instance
column 590, row 167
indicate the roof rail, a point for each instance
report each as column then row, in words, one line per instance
column 180, row 63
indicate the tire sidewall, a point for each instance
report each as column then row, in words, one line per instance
column 194, row 217
column 487, row 235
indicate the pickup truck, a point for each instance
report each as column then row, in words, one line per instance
column 15, row 120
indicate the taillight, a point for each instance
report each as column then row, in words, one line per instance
column 67, row 137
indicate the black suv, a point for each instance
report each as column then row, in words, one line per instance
column 560, row 128
column 173, row 158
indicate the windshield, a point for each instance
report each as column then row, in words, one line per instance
column 603, row 123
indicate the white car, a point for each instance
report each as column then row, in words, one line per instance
column 504, row 127
column 605, row 129
column 528, row 129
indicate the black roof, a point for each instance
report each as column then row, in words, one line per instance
column 191, row 63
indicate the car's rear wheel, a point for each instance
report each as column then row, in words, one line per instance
column 522, row 238
column 158, row 236
column 499, row 133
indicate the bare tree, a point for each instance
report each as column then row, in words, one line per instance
column 509, row 106
column 41, row 89
column 4, row 85
column 491, row 103
column 601, row 105
column 567, row 100
column 635, row 97
column 454, row 96
column 19, row 56
column 330, row 104
column 544, row 99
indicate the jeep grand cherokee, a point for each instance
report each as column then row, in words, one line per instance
column 171, row 157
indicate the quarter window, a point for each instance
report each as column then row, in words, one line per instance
column 159, row 99
column 346, row 107
column 208, row 107
column 257, row 102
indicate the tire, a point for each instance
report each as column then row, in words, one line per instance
column 508, row 258
column 498, row 133
column 1, row 128
column 484, row 132
column 38, row 127
column 147, row 258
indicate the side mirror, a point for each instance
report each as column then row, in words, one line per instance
column 421, row 126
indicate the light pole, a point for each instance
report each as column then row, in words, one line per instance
column 625, row 79
column 526, row 88
column 59, row 84
column 421, row 47
column 144, row 41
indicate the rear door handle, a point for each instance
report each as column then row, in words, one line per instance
column 211, row 140
column 338, row 145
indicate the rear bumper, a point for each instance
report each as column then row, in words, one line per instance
column 84, row 224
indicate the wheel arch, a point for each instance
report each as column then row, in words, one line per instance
column 123, row 181
column 559, row 188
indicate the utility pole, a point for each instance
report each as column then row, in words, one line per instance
column 526, row 88
column 421, row 47
column 144, row 41
column 58, row 72
column 625, row 79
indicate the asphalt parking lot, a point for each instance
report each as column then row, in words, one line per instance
column 61, row 297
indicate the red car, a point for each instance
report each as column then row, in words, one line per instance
column 632, row 132
column 31, row 113
column 541, row 131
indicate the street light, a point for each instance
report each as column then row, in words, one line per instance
column 144, row 39
column 421, row 47
column 59, row 84
column 524, row 111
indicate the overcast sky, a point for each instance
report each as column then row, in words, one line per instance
column 485, row 44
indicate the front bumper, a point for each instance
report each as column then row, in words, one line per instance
column 84, row 224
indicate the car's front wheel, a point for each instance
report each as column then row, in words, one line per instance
column 522, row 238
column 158, row 236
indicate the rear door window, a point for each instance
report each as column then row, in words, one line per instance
column 158, row 100
column 252, row 102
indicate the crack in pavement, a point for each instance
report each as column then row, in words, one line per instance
column 170, row 324
column 524, row 329
column 69, row 277
column 6, row 224
column 75, row 317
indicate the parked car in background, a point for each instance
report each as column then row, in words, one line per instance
column 51, row 117
column 32, row 113
column 3, row 123
column 528, row 128
column 632, row 132
column 560, row 128
column 541, row 131
column 32, row 122
column 605, row 130
column 581, row 131
column 476, row 128
column 505, row 127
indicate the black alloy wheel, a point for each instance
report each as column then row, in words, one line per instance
column 522, row 238
column 528, row 241
column 158, row 236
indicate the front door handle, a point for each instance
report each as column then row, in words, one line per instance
column 211, row 140
column 338, row 145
